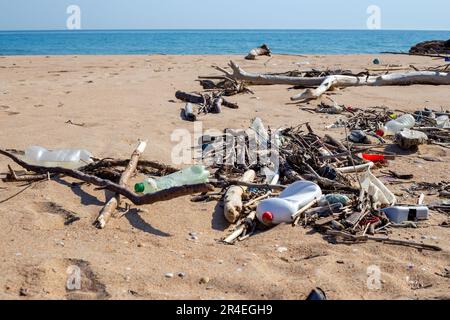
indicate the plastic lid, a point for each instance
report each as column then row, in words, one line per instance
column 139, row 187
column 267, row 217
column 379, row 132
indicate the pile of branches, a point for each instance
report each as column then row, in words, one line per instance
column 211, row 102
column 224, row 87
column 304, row 155
column 368, row 120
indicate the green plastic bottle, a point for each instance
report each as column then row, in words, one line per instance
column 193, row 175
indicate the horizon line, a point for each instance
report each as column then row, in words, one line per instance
column 220, row 29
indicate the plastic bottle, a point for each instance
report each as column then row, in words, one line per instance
column 280, row 210
column 405, row 121
column 399, row 214
column 193, row 175
column 262, row 137
column 65, row 158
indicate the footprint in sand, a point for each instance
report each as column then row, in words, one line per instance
column 9, row 113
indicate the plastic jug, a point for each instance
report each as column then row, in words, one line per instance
column 193, row 175
column 65, row 158
column 280, row 210
column 405, row 121
column 399, row 214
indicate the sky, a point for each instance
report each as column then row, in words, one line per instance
column 224, row 14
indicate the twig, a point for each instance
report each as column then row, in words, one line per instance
column 383, row 240
column 16, row 194
column 111, row 206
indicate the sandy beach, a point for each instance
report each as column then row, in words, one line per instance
column 121, row 99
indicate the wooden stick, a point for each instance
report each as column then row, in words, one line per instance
column 12, row 176
column 233, row 198
column 250, row 203
column 240, row 229
column 111, row 206
column 383, row 240
column 297, row 216
column 138, row 200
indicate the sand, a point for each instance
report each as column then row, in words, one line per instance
column 123, row 98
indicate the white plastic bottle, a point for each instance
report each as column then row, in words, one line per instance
column 280, row 210
column 405, row 121
column 193, row 175
column 65, row 158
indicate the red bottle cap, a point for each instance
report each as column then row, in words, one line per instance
column 267, row 217
column 379, row 133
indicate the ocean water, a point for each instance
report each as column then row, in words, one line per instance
column 211, row 41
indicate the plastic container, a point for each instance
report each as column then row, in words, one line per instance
column 443, row 122
column 65, row 158
column 262, row 137
column 280, row 210
column 405, row 121
column 193, row 175
column 399, row 214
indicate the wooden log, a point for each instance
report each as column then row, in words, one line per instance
column 189, row 97
column 111, row 206
column 392, row 79
column 233, row 198
column 239, row 74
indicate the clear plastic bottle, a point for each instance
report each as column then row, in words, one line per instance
column 193, row 175
column 65, row 158
column 405, row 121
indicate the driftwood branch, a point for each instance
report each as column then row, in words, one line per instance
column 392, row 79
column 233, row 198
column 239, row 74
column 111, row 206
column 138, row 200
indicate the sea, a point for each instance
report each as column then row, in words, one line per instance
column 100, row 42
